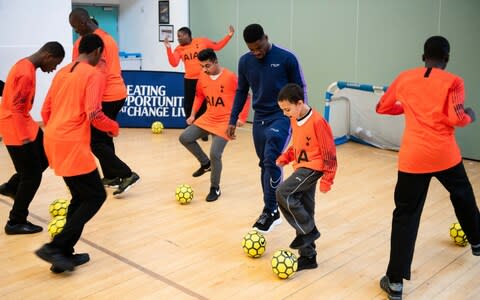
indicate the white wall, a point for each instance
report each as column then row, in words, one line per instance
column 97, row 2
column 138, row 31
column 27, row 25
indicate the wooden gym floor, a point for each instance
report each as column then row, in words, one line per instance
column 147, row 246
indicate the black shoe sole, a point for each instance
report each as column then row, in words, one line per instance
column 76, row 262
column 58, row 261
column 307, row 267
column 200, row 174
column 11, row 231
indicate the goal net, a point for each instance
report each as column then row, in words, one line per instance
column 350, row 111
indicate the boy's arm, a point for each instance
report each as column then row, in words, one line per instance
column 20, row 100
column 75, row 49
column 456, row 112
column 388, row 103
column 328, row 150
column 286, row 157
column 198, row 101
column 93, row 105
column 47, row 105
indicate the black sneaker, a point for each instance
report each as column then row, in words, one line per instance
column 6, row 191
column 111, row 182
column 214, row 194
column 55, row 257
column 77, row 260
column 303, row 240
column 305, row 263
column 476, row 250
column 203, row 169
column 22, row 228
column 126, row 184
column 266, row 221
column 394, row 290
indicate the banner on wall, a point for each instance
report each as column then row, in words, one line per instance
column 153, row 96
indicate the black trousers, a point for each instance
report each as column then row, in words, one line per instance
column 13, row 182
column 103, row 147
column 189, row 88
column 410, row 194
column 30, row 161
column 88, row 195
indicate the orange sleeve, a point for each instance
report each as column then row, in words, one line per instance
column 52, row 91
column 217, row 45
column 47, row 105
column 199, row 97
column 329, row 156
column 75, row 49
column 173, row 57
column 93, row 105
column 456, row 98
column 20, row 105
column 286, row 157
column 388, row 103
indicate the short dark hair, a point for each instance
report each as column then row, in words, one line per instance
column 292, row 93
column 253, row 33
column 186, row 30
column 207, row 54
column 79, row 12
column 54, row 48
column 436, row 47
column 89, row 43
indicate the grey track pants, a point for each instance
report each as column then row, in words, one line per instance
column 189, row 139
column 296, row 200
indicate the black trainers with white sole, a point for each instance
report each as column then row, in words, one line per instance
column 266, row 221
column 111, row 182
column 126, row 184
column 214, row 194
column 202, row 170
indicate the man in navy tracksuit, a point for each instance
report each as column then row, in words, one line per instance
column 266, row 69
